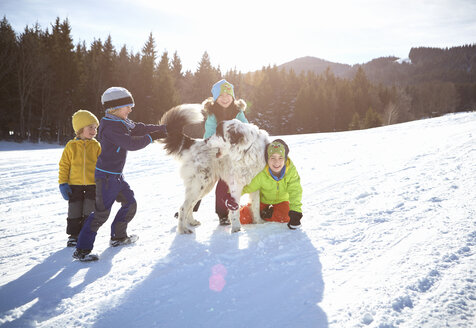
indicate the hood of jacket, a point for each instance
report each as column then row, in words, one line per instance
column 209, row 108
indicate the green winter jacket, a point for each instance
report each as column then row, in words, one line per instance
column 275, row 192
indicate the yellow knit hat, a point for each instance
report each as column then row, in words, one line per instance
column 83, row 118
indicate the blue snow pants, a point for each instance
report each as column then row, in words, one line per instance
column 109, row 188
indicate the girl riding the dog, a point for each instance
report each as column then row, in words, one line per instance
column 222, row 106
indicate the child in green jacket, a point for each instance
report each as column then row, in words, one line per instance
column 280, row 188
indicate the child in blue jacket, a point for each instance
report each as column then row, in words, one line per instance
column 117, row 135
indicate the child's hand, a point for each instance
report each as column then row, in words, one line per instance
column 267, row 212
column 294, row 220
column 231, row 204
column 159, row 134
column 65, row 190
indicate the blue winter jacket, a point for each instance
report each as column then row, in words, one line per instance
column 117, row 137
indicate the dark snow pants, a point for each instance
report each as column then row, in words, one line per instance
column 80, row 205
column 222, row 193
column 109, row 188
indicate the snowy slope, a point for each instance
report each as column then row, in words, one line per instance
column 388, row 240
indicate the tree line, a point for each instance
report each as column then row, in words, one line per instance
column 45, row 78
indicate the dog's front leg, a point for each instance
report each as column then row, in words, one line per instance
column 182, row 221
column 185, row 214
column 254, row 199
column 235, row 220
column 234, row 216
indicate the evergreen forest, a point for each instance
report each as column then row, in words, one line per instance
column 45, row 78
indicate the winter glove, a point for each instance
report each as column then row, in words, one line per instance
column 159, row 134
column 294, row 220
column 65, row 190
column 267, row 212
column 231, row 204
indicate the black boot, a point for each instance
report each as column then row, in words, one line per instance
column 84, row 255
column 114, row 242
column 72, row 241
column 224, row 221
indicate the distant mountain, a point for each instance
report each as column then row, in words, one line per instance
column 389, row 70
column 386, row 70
column 318, row 66
column 456, row 64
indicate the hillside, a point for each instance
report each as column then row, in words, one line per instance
column 317, row 66
column 456, row 64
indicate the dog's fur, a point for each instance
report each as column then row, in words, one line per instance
column 234, row 154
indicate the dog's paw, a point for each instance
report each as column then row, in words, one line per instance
column 184, row 231
column 235, row 229
column 195, row 223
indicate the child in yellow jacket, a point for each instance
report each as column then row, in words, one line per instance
column 280, row 188
column 76, row 172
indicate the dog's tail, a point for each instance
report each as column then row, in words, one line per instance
column 176, row 119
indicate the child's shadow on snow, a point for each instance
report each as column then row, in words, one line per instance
column 41, row 290
column 261, row 277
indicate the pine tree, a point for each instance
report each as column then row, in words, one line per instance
column 305, row 114
column 361, row 90
column 8, row 91
column 263, row 101
column 45, row 94
column 178, row 77
column 28, row 75
column 108, row 66
column 165, row 89
column 344, row 111
column 176, row 68
column 93, row 82
column 8, row 49
column 372, row 119
column 78, row 96
column 123, row 71
column 205, row 77
column 144, row 92
column 355, row 124
column 65, row 76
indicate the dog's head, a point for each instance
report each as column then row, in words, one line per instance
column 229, row 135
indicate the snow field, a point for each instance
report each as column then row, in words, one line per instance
column 388, row 240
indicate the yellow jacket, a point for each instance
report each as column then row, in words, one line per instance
column 78, row 162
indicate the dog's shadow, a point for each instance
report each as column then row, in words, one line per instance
column 264, row 276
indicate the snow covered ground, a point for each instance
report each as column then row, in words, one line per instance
column 388, row 240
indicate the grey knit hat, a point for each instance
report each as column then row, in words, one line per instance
column 116, row 97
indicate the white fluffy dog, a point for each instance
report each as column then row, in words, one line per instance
column 234, row 154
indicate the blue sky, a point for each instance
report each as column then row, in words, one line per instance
column 250, row 34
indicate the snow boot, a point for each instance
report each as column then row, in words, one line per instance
column 72, row 241
column 84, row 255
column 224, row 221
column 114, row 242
